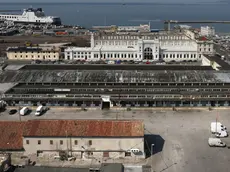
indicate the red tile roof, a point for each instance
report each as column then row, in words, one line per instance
column 11, row 135
column 84, row 128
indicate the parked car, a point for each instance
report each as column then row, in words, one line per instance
column 39, row 110
column 24, row 111
column 12, row 111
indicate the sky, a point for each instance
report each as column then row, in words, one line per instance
column 141, row 1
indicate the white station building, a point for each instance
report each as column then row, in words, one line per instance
column 167, row 46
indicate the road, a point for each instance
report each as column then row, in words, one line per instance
column 180, row 137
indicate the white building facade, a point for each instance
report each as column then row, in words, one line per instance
column 85, row 138
column 207, row 31
column 167, row 46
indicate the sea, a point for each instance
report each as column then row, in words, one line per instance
column 131, row 14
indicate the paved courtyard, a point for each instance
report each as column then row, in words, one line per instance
column 180, row 137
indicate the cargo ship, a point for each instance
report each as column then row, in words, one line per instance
column 31, row 16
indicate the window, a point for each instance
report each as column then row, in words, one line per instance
column 27, row 142
column 75, row 142
column 90, row 142
column 106, row 154
column 39, row 142
column 51, row 142
column 61, row 142
column 127, row 153
column 90, row 153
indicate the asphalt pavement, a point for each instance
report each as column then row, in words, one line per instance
column 180, row 137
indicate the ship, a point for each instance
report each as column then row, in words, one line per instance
column 31, row 16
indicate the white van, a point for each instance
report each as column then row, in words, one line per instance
column 217, row 127
column 23, row 111
column 218, row 124
column 215, row 142
column 39, row 110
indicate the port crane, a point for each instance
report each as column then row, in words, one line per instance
column 167, row 23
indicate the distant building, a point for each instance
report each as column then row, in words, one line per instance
column 33, row 53
column 207, row 31
column 78, row 138
column 203, row 44
column 141, row 28
column 114, row 28
column 164, row 45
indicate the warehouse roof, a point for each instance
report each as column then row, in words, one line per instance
column 116, row 76
column 50, row 169
column 83, row 128
column 11, row 135
column 216, row 58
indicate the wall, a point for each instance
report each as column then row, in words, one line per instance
column 205, row 47
column 170, row 47
column 178, row 50
column 33, row 56
column 98, row 144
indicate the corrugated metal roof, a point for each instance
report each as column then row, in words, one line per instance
column 83, row 128
column 11, row 135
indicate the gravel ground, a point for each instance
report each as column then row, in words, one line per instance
column 180, row 137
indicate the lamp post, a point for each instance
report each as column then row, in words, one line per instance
column 152, row 145
column 19, row 115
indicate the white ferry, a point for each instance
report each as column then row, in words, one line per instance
column 31, row 15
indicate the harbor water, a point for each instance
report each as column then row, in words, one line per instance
column 95, row 14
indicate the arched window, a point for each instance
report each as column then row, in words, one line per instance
column 148, row 54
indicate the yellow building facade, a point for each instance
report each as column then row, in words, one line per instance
column 33, row 53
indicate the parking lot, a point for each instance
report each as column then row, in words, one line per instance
column 180, row 137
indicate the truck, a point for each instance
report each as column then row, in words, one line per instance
column 216, row 142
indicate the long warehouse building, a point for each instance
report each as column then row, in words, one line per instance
column 107, row 88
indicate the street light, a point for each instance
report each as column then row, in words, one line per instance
column 152, row 145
